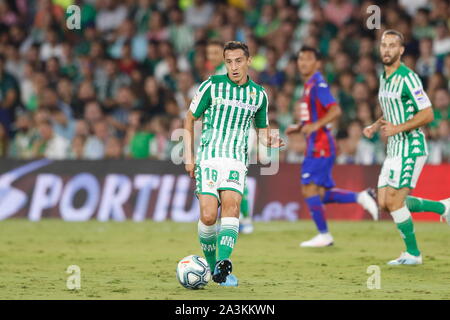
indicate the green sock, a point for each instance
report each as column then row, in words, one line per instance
column 208, row 239
column 227, row 237
column 244, row 204
column 406, row 228
column 415, row 204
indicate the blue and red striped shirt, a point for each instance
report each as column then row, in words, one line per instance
column 314, row 104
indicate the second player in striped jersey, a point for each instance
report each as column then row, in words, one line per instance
column 406, row 108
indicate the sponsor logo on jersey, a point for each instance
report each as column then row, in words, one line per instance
column 389, row 95
column 410, row 109
column 235, row 103
column 304, row 112
column 410, row 117
column 408, row 168
column 416, row 150
column 415, row 143
column 409, row 102
column 409, row 160
column 323, row 85
column 406, row 181
column 305, row 175
column 234, row 177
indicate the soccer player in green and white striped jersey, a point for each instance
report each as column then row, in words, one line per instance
column 406, row 108
column 228, row 103
column 216, row 65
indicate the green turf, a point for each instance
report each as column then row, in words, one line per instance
column 137, row 261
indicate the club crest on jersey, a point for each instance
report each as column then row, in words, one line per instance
column 253, row 95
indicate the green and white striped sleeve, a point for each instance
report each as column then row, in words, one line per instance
column 415, row 92
column 202, row 99
column 261, row 116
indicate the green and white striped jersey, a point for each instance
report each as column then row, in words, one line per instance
column 228, row 110
column 401, row 96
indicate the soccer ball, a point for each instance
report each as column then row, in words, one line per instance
column 193, row 272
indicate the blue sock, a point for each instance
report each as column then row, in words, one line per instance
column 316, row 208
column 339, row 196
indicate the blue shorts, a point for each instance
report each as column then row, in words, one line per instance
column 318, row 171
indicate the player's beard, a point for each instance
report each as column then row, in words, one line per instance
column 391, row 61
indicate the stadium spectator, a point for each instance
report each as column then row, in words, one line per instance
column 94, row 148
column 9, row 95
column 113, row 148
column 19, row 147
column 199, row 13
column 77, row 148
column 427, row 63
column 49, row 144
column 270, row 75
column 139, row 144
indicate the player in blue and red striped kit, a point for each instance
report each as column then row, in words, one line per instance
column 315, row 112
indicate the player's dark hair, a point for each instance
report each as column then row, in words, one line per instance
column 396, row 33
column 316, row 52
column 234, row 45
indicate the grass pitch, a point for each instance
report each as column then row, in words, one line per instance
column 137, row 261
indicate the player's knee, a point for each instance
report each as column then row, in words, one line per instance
column 393, row 204
column 208, row 215
column 382, row 204
column 310, row 191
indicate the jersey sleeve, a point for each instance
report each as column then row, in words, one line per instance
column 261, row 116
column 414, row 90
column 202, row 99
column 324, row 95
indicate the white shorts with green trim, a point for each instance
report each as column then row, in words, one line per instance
column 217, row 174
column 401, row 172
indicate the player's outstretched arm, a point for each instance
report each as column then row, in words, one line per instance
column 188, row 141
column 421, row 118
column 270, row 138
column 369, row 131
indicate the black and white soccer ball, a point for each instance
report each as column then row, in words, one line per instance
column 193, row 272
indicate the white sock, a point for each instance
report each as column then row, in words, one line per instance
column 230, row 223
column 401, row 215
column 206, row 231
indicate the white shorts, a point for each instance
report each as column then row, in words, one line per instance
column 401, row 172
column 217, row 174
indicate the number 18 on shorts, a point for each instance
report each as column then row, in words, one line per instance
column 217, row 174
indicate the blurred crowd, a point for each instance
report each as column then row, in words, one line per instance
column 119, row 86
